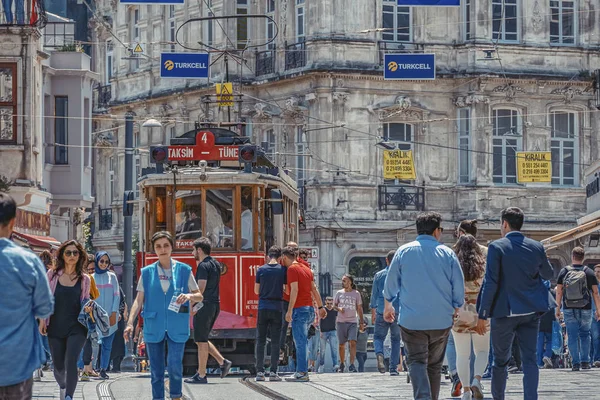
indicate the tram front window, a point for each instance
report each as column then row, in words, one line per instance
column 188, row 214
column 219, row 217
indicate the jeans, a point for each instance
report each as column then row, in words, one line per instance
column 361, row 358
column 381, row 331
column 424, row 357
column 525, row 327
column 595, row 340
column 544, row 347
column 284, row 326
column 46, row 346
column 302, row 317
column 19, row 11
column 330, row 337
column 20, row 391
column 579, row 324
column 156, row 356
column 268, row 320
column 313, row 345
column 106, row 344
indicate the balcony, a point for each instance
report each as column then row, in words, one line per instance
column 397, row 47
column 103, row 95
column 401, row 197
column 23, row 13
column 295, row 55
column 105, row 219
column 265, row 62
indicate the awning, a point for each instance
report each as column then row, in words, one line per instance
column 44, row 242
column 571, row 234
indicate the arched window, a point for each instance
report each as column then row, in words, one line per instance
column 399, row 133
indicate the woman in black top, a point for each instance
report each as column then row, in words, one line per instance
column 66, row 335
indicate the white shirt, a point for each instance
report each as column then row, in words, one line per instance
column 247, row 231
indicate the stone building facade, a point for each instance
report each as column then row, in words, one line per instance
column 512, row 75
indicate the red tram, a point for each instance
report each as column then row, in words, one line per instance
column 243, row 207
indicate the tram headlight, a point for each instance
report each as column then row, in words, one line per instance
column 159, row 154
column 247, row 154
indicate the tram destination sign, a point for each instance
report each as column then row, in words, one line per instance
column 191, row 153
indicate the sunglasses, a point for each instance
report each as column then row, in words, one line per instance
column 103, row 262
column 441, row 229
column 71, row 253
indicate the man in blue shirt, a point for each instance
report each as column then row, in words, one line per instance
column 270, row 280
column 381, row 325
column 25, row 296
column 426, row 277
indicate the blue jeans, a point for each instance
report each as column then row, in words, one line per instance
column 156, row 356
column 330, row 337
column 48, row 358
column 361, row 358
column 381, row 331
column 106, row 345
column 595, row 340
column 526, row 328
column 579, row 324
column 544, row 346
column 302, row 317
column 313, row 345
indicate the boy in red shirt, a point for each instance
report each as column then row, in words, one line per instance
column 300, row 311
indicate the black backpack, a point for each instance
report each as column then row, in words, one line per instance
column 576, row 292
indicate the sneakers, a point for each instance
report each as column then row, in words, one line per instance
column 320, row 370
column 298, row 377
column 466, row 396
column 380, row 363
column 576, row 367
column 85, row 377
column 198, row 379
column 336, row 368
column 225, row 368
column 103, row 374
column 456, row 386
column 260, row 377
column 586, row 365
column 597, row 364
column 513, row 368
column 477, row 389
column 394, row 373
column 341, row 368
column 273, row 377
column 487, row 374
column 351, row 368
column 547, row 363
column 37, row 375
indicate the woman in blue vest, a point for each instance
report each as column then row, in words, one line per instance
column 164, row 291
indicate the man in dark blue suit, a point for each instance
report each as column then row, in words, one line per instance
column 514, row 297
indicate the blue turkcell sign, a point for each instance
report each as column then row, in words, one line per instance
column 184, row 65
column 409, row 66
column 439, row 3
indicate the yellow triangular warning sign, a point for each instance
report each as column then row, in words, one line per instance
column 138, row 49
column 224, row 94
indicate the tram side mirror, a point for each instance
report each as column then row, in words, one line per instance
column 276, row 202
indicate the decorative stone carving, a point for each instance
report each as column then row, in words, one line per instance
column 509, row 90
column 293, row 103
column 339, row 83
column 206, row 117
column 537, row 20
column 464, row 101
column 263, row 112
column 165, row 109
column 182, row 106
column 568, row 93
column 283, row 17
column 340, row 97
column 400, row 109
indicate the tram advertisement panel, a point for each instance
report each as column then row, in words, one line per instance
column 250, row 265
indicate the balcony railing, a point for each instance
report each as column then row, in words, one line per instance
column 23, row 13
column 295, row 55
column 103, row 96
column 265, row 62
column 401, row 197
column 397, row 47
column 105, row 219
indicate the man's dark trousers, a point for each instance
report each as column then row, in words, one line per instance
column 425, row 352
column 268, row 320
column 503, row 331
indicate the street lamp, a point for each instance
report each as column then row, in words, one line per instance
column 128, row 363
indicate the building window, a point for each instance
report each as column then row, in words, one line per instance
column 396, row 22
column 300, row 157
column 564, row 146
column 464, row 145
column 134, row 34
column 61, row 129
column 300, row 25
column 172, row 28
column 270, row 28
column 209, row 33
column 109, row 61
column 467, row 18
column 111, row 178
column 505, row 20
column 8, row 103
column 507, row 140
column 269, row 143
column 562, row 22
column 242, row 24
column 399, row 134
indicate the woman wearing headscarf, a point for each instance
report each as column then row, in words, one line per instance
column 110, row 295
column 66, row 335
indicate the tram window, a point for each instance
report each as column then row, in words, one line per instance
column 247, row 218
column 161, row 209
column 188, row 207
column 219, row 217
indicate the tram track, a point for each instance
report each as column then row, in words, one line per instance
column 261, row 389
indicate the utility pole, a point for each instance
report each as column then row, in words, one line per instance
column 128, row 363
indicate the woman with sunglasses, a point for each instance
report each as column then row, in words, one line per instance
column 66, row 335
column 110, row 295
